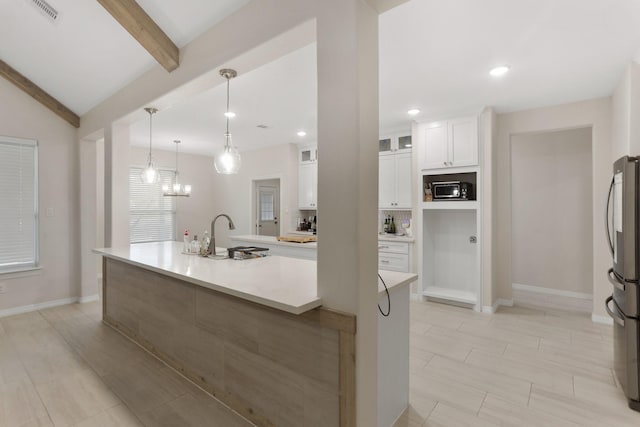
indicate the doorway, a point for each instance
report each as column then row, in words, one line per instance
column 267, row 207
column 552, row 219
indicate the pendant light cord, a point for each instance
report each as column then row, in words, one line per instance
column 227, row 115
column 177, row 143
column 150, row 133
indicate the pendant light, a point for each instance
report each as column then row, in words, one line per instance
column 177, row 189
column 228, row 160
column 150, row 174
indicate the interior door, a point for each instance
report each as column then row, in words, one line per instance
column 268, row 206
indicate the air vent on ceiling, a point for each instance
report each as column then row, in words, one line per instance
column 46, row 9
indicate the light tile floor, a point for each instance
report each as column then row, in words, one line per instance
column 522, row 366
column 64, row 367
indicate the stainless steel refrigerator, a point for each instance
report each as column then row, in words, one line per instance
column 623, row 228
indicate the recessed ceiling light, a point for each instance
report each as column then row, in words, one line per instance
column 413, row 112
column 230, row 114
column 500, row 70
column 302, row 133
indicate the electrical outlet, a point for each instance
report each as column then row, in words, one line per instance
column 50, row 212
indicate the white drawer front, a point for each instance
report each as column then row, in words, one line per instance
column 393, row 247
column 393, row 262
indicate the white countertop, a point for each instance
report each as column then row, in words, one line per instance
column 394, row 279
column 287, row 284
column 271, row 240
column 394, row 238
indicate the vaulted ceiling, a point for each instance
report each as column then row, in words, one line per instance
column 434, row 55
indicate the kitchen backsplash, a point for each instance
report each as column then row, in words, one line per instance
column 399, row 218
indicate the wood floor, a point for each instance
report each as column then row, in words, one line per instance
column 519, row 367
column 523, row 366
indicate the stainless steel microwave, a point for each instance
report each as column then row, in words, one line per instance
column 452, row 190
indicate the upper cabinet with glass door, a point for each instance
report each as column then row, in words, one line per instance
column 308, row 154
column 395, row 143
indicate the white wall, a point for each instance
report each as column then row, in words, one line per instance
column 213, row 194
column 620, row 116
column 486, row 136
column 625, row 108
column 22, row 116
column 552, row 220
column 595, row 113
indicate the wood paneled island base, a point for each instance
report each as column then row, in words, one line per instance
column 272, row 367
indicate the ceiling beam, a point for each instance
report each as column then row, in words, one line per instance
column 38, row 94
column 140, row 25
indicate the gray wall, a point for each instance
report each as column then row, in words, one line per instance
column 552, row 220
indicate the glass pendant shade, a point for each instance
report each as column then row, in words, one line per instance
column 150, row 174
column 228, row 161
column 176, row 189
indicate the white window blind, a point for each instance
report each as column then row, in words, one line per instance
column 152, row 216
column 19, row 206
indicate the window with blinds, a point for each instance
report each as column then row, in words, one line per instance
column 19, row 207
column 152, row 216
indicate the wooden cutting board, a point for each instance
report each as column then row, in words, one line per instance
column 298, row 239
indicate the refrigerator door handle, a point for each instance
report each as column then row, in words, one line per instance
column 606, row 216
column 614, row 280
column 618, row 320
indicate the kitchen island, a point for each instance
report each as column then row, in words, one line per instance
column 252, row 333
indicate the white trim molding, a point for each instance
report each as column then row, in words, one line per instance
column 605, row 320
column 89, row 298
column 549, row 291
column 47, row 304
column 491, row 309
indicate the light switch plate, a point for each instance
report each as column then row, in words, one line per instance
column 50, row 212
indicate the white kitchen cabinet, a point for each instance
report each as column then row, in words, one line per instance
column 395, row 143
column 451, row 143
column 308, row 154
column 308, row 177
column 395, row 256
column 394, row 180
column 308, row 186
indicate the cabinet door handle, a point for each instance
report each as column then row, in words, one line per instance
column 384, row 261
column 383, row 247
column 445, row 163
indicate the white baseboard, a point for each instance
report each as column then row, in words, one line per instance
column 491, row 309
column 35, row 307
column 89, row 298
column 415, row 297
column 549, row 291
column 605, row 320
column 47, row 304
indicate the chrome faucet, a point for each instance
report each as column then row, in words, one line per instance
column 212, row 246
